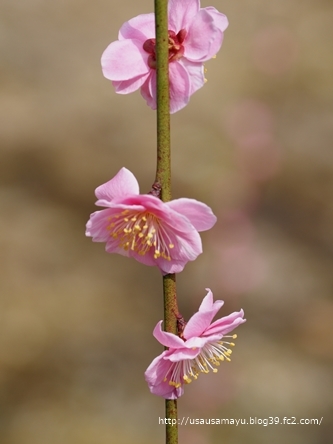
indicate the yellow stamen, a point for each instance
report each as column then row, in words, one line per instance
column 139, row 232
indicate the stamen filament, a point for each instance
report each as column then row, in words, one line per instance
column 139, row 232
column 208, row 359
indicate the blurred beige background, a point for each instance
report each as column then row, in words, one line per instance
column 255, row 144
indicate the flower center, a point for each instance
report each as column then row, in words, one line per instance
column 210, row 357
column 176, row 48
column 141, row 233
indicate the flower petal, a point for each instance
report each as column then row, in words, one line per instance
column 180, row 87
column 141, row 27
column 96, row 226
column 182, row 354
column 191, row 348
column 155, row 374
column 122, row 184
column 221, row 23
column 201, row 320
column 181, row 13
column 226, row 324
column 148, row 89
column 124, row 60
column 220, row 19
column 204, row 38
column 129, row 86
column 178, row 223
column 195, row 72
column 167, row 339
column 198, row 323
column 199, row 214
column 208, row 301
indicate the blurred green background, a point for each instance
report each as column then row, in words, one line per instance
column 255, row 144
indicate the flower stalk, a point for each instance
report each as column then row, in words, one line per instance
column 163, row 170
column 163, row 178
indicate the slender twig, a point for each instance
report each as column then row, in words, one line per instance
column 163, row 179
column 163, row 172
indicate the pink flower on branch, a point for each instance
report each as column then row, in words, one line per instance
column 195, row 36
column 200, row 349
column 164, row 234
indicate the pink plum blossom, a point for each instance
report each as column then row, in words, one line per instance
column 198, row 349
column 195, row 36
column 141, row 226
